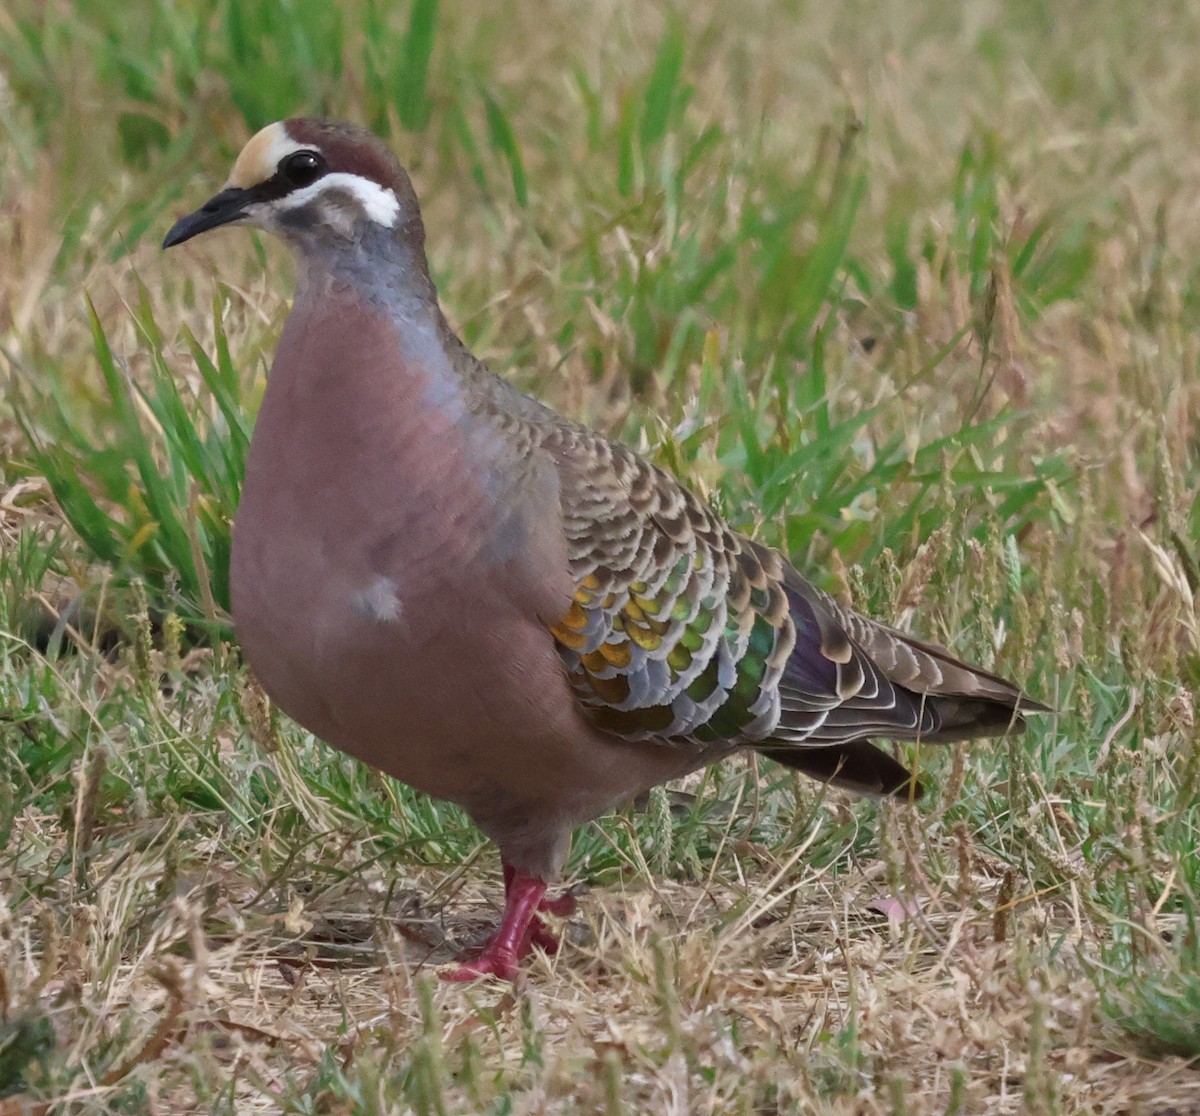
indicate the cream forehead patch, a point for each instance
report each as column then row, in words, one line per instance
column 260, row 157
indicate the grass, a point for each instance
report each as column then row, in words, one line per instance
column 907, row 290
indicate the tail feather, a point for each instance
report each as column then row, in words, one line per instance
column 849, row 679
column 859, row 767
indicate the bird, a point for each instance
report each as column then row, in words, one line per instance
column 497, row 605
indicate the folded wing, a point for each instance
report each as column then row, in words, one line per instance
column 684, row 631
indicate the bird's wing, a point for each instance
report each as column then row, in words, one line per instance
column 683, row 630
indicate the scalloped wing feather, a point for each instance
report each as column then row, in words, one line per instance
column 684, row 631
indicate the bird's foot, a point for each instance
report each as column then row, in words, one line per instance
column 561, row 906
column 521, row 928
column 494, row 960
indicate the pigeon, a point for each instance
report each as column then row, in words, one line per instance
column 497, row 605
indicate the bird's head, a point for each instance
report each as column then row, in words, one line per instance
column 316, row 183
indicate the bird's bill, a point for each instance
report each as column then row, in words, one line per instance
column 227, row 206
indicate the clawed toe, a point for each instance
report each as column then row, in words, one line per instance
column 498, row 963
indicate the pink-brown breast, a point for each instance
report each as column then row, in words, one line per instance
column 394, row 577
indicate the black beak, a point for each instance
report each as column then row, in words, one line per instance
column 227, row 206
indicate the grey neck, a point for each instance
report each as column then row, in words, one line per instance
column 387, row 268
column 387, row 265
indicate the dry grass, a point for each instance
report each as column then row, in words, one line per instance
column 201, row 909
column 670, row 998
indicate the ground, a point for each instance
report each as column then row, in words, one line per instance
column 908, row 289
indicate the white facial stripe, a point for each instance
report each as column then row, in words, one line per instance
column 378, row 203
column 260, row 157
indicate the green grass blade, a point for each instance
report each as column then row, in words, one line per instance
column 412, row 78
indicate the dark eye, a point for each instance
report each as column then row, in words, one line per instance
column 302, row 168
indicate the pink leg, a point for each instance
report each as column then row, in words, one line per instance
column 561, row 907
column 520, row 929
